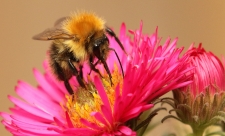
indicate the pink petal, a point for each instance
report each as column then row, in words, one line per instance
column 31, row 109
column 125, row 130
column 90, row 125
column 100, row 118
column 46, row 86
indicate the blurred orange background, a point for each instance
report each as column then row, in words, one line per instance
column 191, row 21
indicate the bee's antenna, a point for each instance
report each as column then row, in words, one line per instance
column 118, row 60
column 110, row 32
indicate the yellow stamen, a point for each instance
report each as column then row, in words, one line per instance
column 85, row 101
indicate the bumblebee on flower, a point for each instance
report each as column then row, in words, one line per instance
column 101, row 108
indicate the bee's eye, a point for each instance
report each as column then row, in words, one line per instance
column 101, row 41
column 98, row 48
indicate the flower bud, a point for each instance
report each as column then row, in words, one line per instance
column 201, row 103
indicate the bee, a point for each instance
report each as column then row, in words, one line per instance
column 75, row 39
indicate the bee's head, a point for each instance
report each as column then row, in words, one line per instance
column 101, row 47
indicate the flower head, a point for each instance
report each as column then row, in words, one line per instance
column 208, row 72
column 201, row 103
column 151, row 70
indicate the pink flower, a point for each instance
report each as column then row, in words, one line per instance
column 151, row 70
column 209, row 71
column 201, row 103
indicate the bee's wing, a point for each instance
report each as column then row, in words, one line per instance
column 54, row 33
column 59, row 22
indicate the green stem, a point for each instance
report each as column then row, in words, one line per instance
column 198, row 131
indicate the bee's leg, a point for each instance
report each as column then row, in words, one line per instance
column 62, row 77
column 95, row 69
column 107, row 70
column 81, row 71
column 68, row 87
column 91, row 64
column 110, row 32
column 75, row 72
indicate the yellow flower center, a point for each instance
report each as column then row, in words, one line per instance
column 85, row 101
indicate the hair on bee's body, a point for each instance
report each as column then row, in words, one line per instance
column 86, row 27
column 76, row 39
